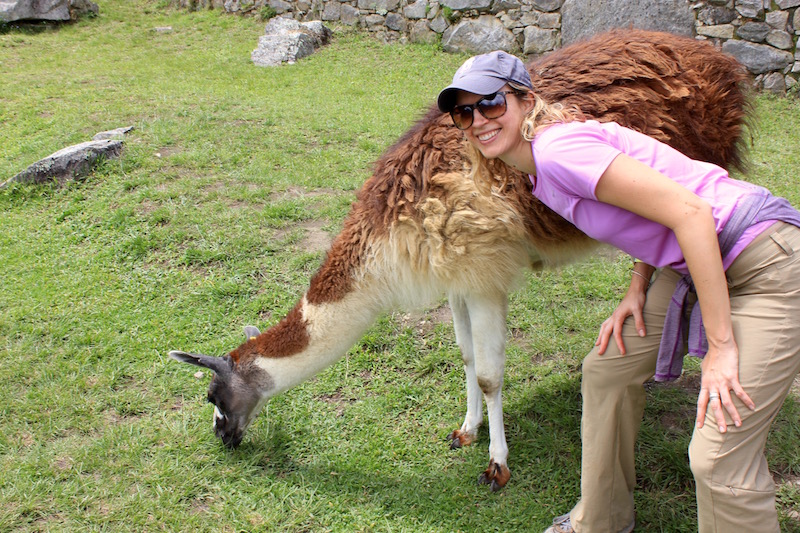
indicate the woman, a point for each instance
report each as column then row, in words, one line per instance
column 726, row 244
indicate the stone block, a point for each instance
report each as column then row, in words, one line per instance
column 754, row 32
column 396, row 22
column 374, row 22
column 439, row 24
column 70, row 163
column 780, row 39
column 417, row 10
column 583, row 18
column 550, row 20
column 478, row 36
column 538, row 40
column 786, row 4
column 749, row 8
column 547, row 5
column 714, row 15
column 758, row 58
column 778, row 19
column 349, row 15
column 461, row 5
column 774, row 82
column 421, row 33
column 720, row 31
column 505, row 5
column 332, row 11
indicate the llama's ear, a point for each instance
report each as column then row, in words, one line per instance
column 220, row 365
column 250, row 332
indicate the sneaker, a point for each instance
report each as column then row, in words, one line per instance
column 561, row 524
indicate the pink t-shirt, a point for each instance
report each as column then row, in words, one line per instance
column 570, row 159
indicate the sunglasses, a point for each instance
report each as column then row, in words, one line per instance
column 492, row 106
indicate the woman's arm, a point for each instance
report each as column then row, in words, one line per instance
column 634, row 186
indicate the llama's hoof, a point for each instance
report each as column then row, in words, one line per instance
column 459, row 439
column 496, row 476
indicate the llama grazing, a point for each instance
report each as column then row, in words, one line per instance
column 419, row 228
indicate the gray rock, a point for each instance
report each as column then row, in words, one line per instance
column 583, row 18
column 754, row 32
column 713, row 15
column 349, row 15
column 280, row 6
column 421, row 33
column 786, row 4
column 45, row 10
column 460, row 5
column 439, row 24
column 547, row 5
column 118, row 133
column 70, row 163
column 780, row 39
column 374, row 21
column 478, row 36
column 396, row 22
column 774, row 82
column 274, row 50
column 539, row 41
column 505, row 5
column 796, row 21
column 379, row 6
column 749, row 8
column 720, row 31
column 287, row 40
column 417, row 10
column 550, row 21
column 757, row 58
column 778, row 19
column 332, row 11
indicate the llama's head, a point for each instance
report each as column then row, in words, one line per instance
column 238, row 390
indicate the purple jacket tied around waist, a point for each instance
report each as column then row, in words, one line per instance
column 760, row 206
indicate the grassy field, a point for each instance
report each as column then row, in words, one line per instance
column 229, row 190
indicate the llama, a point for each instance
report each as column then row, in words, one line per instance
column 420, row 228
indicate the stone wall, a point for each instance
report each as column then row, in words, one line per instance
column 762, row 34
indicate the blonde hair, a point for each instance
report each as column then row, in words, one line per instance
column 489, row 174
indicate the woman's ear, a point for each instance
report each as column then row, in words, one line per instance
column 528, row 101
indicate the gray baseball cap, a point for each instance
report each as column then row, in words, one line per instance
column 484, row 74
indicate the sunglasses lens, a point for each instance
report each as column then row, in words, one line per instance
column 494, row 107
column 462, row 116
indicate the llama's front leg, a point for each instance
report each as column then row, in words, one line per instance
column 487, row 316
column 468, row 432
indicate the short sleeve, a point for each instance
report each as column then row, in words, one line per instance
column 574, row 156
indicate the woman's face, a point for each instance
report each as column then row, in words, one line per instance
column 497, row 137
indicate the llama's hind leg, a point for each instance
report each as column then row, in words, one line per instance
column 486, row 330
column 468, row 432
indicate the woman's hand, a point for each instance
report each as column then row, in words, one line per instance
column 720, row 378
column 631, row 305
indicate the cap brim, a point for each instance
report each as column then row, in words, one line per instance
column 477, row 85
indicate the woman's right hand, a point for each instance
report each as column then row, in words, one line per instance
column 631, row 305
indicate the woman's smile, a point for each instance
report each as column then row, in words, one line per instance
column 488, row 136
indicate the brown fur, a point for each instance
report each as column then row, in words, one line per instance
column 676, row 89
column 288, row 337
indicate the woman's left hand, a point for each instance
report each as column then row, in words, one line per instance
column 720, row 378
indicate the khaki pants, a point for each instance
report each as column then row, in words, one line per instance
column 735, row 491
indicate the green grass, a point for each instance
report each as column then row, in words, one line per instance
column 203, row 226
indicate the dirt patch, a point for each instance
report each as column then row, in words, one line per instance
column 300, row 192
column 424, row 322
column 316, row 239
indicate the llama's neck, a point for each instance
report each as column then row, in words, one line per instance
column 331, row 329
